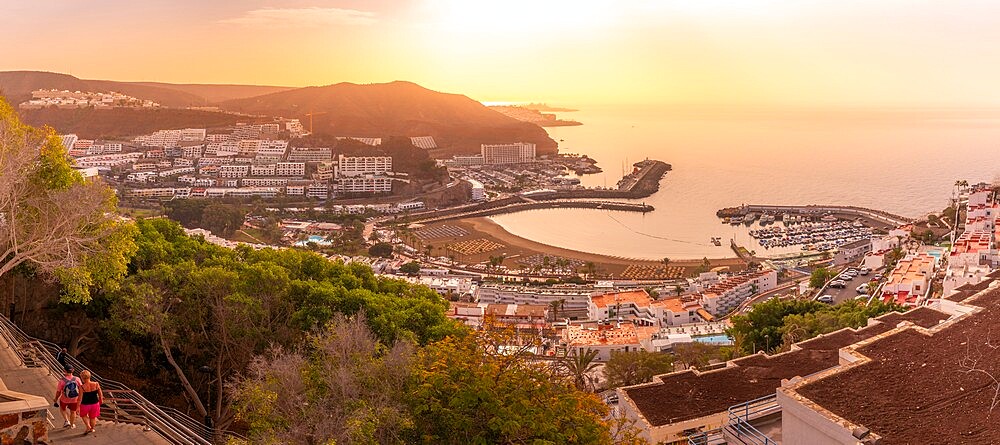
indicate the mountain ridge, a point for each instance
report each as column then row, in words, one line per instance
column 458, row 123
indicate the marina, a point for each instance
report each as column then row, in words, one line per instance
column 821, row 236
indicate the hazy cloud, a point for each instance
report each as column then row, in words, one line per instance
column 299, row 17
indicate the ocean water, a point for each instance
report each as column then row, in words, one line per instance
column 902, row 160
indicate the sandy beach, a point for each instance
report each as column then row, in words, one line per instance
column 515, row 248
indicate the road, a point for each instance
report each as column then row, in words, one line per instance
column 762, row 296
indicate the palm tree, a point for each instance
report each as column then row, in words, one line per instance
column 678, row 290
column 578, row 366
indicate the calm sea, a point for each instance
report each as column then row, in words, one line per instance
column 903, row 160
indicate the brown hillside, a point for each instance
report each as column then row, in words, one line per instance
column 17, row 86
column 120, row 123
column 397, row 109
column 213, row 94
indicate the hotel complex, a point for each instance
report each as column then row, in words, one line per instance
column 516, row 153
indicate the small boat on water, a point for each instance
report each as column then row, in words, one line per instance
column 736, row 220
column 766, row 218
column 725, row 220
column 829, row 218
column 717, row 241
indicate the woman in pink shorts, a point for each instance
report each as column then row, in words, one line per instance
column 90, row 401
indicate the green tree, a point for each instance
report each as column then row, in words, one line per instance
column 761, row 328
column 579, row 366
column 820, row 276
column 411, row 268
column 478, row 389
column 54, row 220
column 383, row 250
column 290, row 395
column 778, row 323
column 635, row 367
column 223, row 219
column 202, row 306
column 698, row 354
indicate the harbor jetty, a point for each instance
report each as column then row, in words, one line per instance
column 520, row 204
column 641, row 183
column 875, row 218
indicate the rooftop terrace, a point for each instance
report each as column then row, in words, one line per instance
column 690, row 394
column 918, row 386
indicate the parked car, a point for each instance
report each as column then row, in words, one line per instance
column 865, row 271
column 825, row 299
column 862, row 289
column 838, row 284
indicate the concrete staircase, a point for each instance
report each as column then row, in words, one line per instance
column 23, row 372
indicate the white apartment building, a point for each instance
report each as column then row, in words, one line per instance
column 310, row 154
column 290, row 169
column 909, row 282
column 362, row 165
column 272, row 148
column 144, row 176
column 466, row 161
column 638, row 307
column 363, row 184
column 723, row 297
column 270, row 128
column 247, row 148
column 68, row 140
column 193, row 134
column 108, row 160
column 161, row 193
column 244, row 131
column 403, row 206
column 424, row 142
column 263, row 182
column 295, row 189
column 516, row 153
column 234, row 170
column 263, row 169
column 241, row 192
column 575, row 300
column 324, row 171
column 170, row 138
column 478, row 190
column 176, row 171
column 317, row 191
column 112, row 147
column 374, row 142
column 294, row 127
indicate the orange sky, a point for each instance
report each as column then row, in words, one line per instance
column 566, row 52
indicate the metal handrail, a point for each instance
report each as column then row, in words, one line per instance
column 173, row 425
column 741, row 415
column 710, row 437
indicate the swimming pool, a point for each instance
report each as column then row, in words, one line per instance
column 718, row 339
column 314, row 239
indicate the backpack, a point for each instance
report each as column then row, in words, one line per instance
column 71, row 390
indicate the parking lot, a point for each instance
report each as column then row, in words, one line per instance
column 849, row 291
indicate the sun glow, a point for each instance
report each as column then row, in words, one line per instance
column 525, row 18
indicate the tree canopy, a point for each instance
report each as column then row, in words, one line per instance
column 820, row 276
column 207, row 306
column 53, row 219
column 776, row 323
column 635, row 367
column 346, row 386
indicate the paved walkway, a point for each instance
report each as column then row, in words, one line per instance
column 38, row 381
